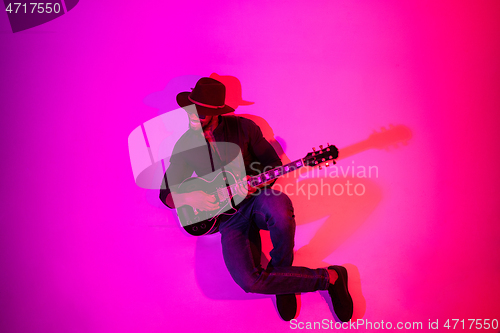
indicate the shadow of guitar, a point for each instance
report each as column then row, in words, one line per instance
column 342, row 216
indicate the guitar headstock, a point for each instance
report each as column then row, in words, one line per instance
column 325, row 155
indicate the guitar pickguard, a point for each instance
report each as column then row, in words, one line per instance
column 199, row 223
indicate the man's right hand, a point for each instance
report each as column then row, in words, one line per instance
column 197, row 199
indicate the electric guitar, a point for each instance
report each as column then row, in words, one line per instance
column 223, row 186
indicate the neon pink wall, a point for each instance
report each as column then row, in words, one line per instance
column 83, row 249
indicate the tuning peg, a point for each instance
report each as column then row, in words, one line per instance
column 328, row 144
column 314, row 149
column 327, row 164
column 320, row 146
column 334, row 162
column 319, row 167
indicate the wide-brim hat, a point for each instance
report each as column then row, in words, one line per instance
column 209, row 96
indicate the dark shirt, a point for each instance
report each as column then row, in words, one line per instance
column 192, row 154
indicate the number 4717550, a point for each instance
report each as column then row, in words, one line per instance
column 474, row 323
column 40, row 7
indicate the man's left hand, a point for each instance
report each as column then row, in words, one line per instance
column 244, row 190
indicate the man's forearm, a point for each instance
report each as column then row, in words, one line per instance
column 180, row 199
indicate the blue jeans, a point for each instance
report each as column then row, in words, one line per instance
column 241, row 248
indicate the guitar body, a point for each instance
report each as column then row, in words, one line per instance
column 198, row 223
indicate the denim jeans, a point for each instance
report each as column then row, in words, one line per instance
column 241, row 247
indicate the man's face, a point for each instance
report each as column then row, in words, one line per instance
column 198, row 123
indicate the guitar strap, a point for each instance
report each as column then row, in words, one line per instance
column 231, row 122
column 214, row 151
column 208, row 133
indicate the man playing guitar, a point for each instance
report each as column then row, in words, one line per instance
column 258, row 207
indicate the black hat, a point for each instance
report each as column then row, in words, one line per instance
column 209, row 95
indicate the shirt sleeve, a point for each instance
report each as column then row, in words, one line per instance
column 177, row 171
column 260, row 147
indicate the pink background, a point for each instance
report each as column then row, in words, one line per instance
column 83, row 249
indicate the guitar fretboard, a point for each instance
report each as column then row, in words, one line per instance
column 275, row 173
column 255, row 181
column 327, row 154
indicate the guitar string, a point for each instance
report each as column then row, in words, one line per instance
column 270, row 172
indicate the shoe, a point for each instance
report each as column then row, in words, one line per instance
column 341, row 299
column 287, row 306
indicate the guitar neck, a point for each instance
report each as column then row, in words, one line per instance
column 276, row 172
column 328, row 155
